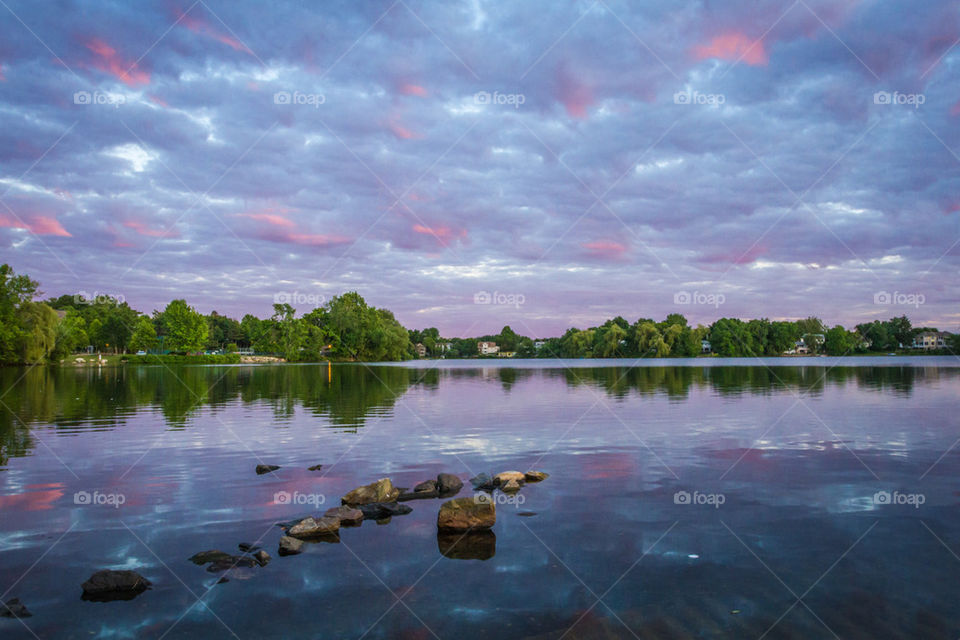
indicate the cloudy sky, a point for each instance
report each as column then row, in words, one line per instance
column 573, row 160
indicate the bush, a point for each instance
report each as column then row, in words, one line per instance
column 230, row 358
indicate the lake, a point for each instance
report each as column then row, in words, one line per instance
column 707, row 498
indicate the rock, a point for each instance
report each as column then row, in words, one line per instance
column 448, row 484
column 247, row 547
column 475, row 545
column 381, row 510
column 466, row 514
column 526, row 514
column 262, row 558
column 507, row 476
column 315, row 467
column 209, row 556
column 106, row 585
column 482, row 482
column 535, row 476
column 13, row 608
column 417, row 495
column 289, row 546
column 231, row 562
column 510, row 486
column 426, row 485
column 380, row 491
column 347, row 515
column 223, row 580
column 266, row 468
column 314, row 527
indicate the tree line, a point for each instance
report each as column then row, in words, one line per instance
column 347, row 328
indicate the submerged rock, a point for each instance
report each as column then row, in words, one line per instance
column 448, row 484
column 510, row 486
column 380, row 491
column 231, row 562
column 424, row 490
column 506, row 476
column 315, row 467
column 289, row 546
column 262, row 557
column 466, row 514
column 314, row 527
column 535, row 476
column 482, row 482
column 214, row 555
column 526, row 514
column 474, row 545
column 347, row 515
column 106, row 585
column 382, row 510
column 266, row 468
column 13, row 608
column 247, row 547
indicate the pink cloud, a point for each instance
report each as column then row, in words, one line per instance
column 145, row 230
column 442, row 233
column 733, row 46
column 3, row 78
column 575, row 95
column 199, row 25
column 270, row 218
column 413, row 90
column 158, row 100
column 402, row 132
column 109, row 61
column 608, row 249
column 40, row 225
column 955, row 109
column 316, row 239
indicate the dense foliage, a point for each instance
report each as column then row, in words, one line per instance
column 347, row 328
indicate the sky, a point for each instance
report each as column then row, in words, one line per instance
column 471, row 164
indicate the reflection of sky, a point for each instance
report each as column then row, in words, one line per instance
column 798, row 480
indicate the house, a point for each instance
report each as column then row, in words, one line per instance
column 538, row 344
column 930, row 340
column 443, row 347
column 420, row 349
column 705, row 346
column 487, row 348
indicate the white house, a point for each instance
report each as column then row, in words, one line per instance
column 487, row 348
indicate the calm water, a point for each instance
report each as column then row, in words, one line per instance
column 784, row 532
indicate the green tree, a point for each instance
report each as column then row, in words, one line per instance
column 839, row 342
column 186, row 328
column 15, row 291
column 144, row 335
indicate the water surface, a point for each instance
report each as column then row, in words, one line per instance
column 687, row 499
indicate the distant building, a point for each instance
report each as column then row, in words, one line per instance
column 421, row 350
column 444, row 346
column 705, row 346
column 538, row 344
column 487, row 348
column 930, row 340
